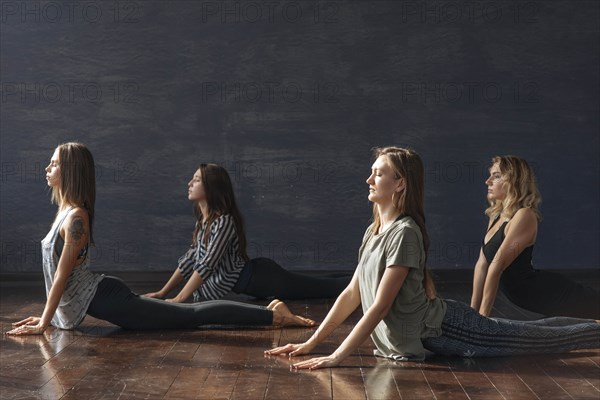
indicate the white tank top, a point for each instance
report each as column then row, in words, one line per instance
column 81, row 284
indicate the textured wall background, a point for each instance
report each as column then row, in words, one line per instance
column 291, row 97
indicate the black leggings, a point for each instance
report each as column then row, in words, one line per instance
column 116, row 303
column 264, row 278
column 553, row 295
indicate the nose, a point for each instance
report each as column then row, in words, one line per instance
column 48, row 168
column 370, row 179
column 488, row 181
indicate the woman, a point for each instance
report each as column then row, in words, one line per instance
column 402, row 313
column 505, row 256
column 73, row 290
column 217, row 263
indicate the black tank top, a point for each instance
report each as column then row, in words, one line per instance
column 520, row 269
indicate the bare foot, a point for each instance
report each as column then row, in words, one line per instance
column 282, row 316
column 273, row 304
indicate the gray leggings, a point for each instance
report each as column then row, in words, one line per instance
column 116, row 303
column 466, row 333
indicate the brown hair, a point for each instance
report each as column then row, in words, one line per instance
column 407, row 164
column 220, row 200
column 521, row 188
column 77, row 179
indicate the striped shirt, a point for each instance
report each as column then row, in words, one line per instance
column 219, row 264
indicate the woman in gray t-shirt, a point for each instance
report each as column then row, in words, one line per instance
column 402, row 313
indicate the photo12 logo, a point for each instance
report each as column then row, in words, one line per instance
column 69, row 12
column 272, row 92
column 488, row 92
column 250, row 12
column 25, row 172
column 469, row 12
column 68, row 92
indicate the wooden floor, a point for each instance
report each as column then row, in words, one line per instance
column 100, row 361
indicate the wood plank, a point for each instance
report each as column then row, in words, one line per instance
column 410, row 381
column 529, row 371
column 569, row 379
column 474, row 383
column 286, row 384
column 251, row 384
column 585, row 367
column 188, row 383
column 155, row 383
column 380, row 383
column 442, row 381
column 99, row 360
column 347, row 382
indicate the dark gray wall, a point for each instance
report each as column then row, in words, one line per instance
column 291, row 97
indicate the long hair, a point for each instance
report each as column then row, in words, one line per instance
column 77, row 180
column 407, row 164
column 521, row 188
column 220, row 200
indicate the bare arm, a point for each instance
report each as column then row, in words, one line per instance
column 192, row 284
column 221, row 235
column 479, row 275
column 344, row 305
column 520, row 234
column 391, row 282
column 76, row 231
column 171, row 284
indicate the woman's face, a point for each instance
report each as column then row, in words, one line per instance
column 195, row 188
column 495, row 184
column 53, row 170
column 382, row 182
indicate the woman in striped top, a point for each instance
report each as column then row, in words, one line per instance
column 217, row 263
column 73, row 290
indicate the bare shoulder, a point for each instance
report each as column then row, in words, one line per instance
column 523, row 220
column 77, row 223
column 525, row 215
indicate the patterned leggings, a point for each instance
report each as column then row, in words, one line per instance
column 466, row 333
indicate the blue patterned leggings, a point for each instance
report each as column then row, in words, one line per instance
column 466, row 333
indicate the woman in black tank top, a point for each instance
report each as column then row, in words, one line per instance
column 505, row 257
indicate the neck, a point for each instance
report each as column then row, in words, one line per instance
column 203, row 208
column 63, row 205
column 387, row 214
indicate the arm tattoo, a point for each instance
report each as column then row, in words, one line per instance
column 76, row 229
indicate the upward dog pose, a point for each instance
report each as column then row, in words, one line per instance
column 505, row 256
column 402, row 313
column 217, row 263
column 73, row 290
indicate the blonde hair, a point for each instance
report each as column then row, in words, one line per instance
column 77, row 179
column 407, row 164
column 521, row 188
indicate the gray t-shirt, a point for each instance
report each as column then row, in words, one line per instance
column 412, row 316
